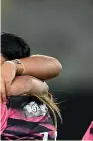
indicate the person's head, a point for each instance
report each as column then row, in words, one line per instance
column 13, row 47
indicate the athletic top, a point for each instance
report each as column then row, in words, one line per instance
column 32, row 122
column 89, row 133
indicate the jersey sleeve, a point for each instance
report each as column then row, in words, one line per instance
column 3, row 117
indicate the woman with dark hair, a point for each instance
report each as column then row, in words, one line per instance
column 22, row 116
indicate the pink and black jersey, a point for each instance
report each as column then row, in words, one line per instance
column 89, row 133
column 32, row 122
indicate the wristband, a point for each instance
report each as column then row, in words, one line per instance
column 17, row 61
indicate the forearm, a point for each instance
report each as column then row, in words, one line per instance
column 40, row 66
column 28, row 84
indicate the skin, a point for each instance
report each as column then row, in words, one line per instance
column 42, row 67
column 12, row 84
column 28, row 85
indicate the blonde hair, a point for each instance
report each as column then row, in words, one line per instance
column 48, row 99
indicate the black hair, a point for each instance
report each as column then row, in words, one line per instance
column 13, row 47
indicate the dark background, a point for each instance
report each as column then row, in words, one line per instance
column 63, row 29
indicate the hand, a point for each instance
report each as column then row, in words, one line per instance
column 8, row 73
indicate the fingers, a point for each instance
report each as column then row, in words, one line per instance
column 8, row 87
column 3, row 91
column 6, row 79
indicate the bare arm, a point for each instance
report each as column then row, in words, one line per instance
column 40, row 66
column 28, row 84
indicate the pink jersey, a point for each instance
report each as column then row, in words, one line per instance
column 89, row 133
column 3, row 117
column 33, row 122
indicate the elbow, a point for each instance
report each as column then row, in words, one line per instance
column 57, row 67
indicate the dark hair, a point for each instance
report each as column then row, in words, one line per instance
column 13, row 47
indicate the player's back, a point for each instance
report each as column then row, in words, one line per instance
column 32, row 122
